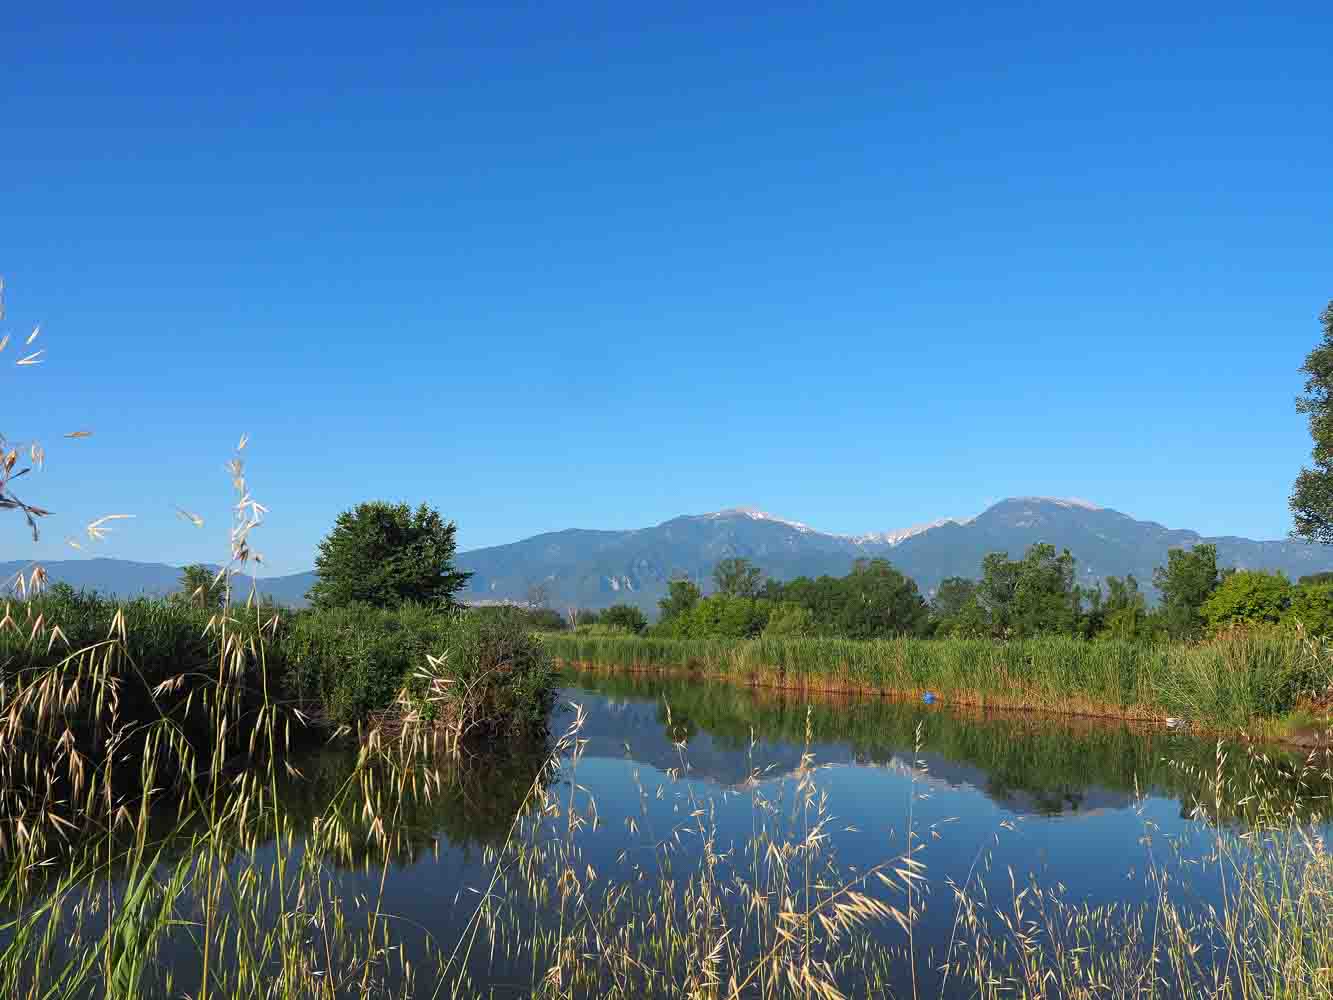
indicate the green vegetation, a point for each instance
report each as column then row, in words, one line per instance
column 386, row 555
column 1232, row 682
column 202, row 586
column 1013, row 599
column 1312, row 495
column 623, row 618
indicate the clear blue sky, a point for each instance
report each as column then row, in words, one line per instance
column 861, row 265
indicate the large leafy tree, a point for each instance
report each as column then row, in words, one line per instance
column 735, row 577
column 1185, row 583
column 1312, row 495
column 879, row 602
column 624, row 616
column 386, row 555
column 681, row 597
column 1248, row 597
column 1034, row 595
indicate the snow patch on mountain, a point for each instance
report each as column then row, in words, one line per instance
column 1062, row 502
column 754, row 514
column 901, row 535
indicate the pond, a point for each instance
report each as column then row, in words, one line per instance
column 683, row 812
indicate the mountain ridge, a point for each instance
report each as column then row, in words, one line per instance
column 589, row 567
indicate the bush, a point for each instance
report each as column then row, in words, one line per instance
column 1247, row 598
column 790, row 621
column 624, row 616
column 357, row 660
column 1312, row 606
column 491, row 677
column 353, row 660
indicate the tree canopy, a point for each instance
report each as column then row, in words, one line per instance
column 387, row 555
column 1185, row 583
column 1312, row 495
column 736, row 577
column 623, row 616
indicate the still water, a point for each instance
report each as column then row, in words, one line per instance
column 996, row 803
column 664, row 775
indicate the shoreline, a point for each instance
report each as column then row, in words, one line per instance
column 1081, row 708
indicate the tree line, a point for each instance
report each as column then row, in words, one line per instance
column 1037, row 594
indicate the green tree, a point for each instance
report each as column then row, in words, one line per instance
column 546, row 620
column 1311, row 579
column 1185, row 583
column 878, row 602
column 200, row 586
column 1312, row 606
column 387, row 555
column 681, row 597
column 585, row 616
column 1124, row 611
column 952, row 596
column 1034, row 595
column 1247, row 597
column 735, row 577
column 624, row 616
column 1312, row 495
column 790, row 620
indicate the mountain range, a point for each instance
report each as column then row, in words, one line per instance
column 594, row 569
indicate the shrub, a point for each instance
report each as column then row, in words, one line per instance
column 1247, row 597
column 1312, row 606
column 353, row 660
column 624, row 616
column 791, row 621
column 486, row 669
column 491, row 677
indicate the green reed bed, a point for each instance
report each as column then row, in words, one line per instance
column 1227, row 683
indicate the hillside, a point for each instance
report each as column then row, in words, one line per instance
column 588, row 568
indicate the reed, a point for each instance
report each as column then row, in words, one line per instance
column 1228, row 683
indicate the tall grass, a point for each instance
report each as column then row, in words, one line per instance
column 1227, row 683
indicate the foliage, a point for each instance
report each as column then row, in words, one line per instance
column 201, row 586
column 387, row 555
column 488, row 677
column 353, row 659
column 623, row 616
column 1232, row 681
column 681, row 597
column 1031, row 596
column 953, row 595
column 873, row 601
column 735, row 577
column 1185, row 583
column 726, row 615
column 1124, row 612
column 535, row 618
column 789, row 620
column 584, row 616
column 1312, row 606
column 1247, row 597
column 1312, row 494
column 1315, row 578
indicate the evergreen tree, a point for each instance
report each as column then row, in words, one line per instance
column 387, row 555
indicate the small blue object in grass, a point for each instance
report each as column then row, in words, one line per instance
column 929, row 697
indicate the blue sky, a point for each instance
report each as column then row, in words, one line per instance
column 861, row 265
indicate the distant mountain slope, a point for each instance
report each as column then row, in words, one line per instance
column 124, row 578
column 585, row 568
column 598, row 568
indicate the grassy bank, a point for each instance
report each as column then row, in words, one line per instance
column 1241, row 681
